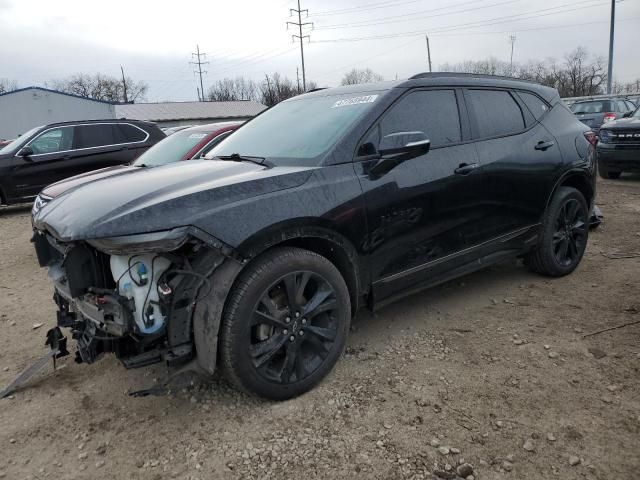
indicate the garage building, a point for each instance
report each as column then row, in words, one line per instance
column 25, row 108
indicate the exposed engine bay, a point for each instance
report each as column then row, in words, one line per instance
column 122, row 303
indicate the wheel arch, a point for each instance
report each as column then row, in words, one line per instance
column 316, row 236
column 578, row 179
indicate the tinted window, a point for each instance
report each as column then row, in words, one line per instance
column 496, row 112
column 433, row 112
column 129, row 133
column 54, row 140
column 98, row 135
column 534, row 103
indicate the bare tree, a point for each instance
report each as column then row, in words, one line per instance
column 229, row 89
column 580, row 74
column 101, row 87
column 356, row 76
column 276, row 88
column 7, row 85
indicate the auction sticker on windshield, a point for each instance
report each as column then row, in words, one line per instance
column 355, row 101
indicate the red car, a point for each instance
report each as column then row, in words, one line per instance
column 187, row 144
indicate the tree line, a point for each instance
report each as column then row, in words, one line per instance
column 578, row 74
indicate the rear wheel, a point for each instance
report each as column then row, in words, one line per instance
column 285, row 323
column 564, row 235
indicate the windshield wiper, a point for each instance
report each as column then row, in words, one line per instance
column 236, row 157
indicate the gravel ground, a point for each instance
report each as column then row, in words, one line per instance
column 491, row 376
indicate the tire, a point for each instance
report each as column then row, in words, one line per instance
column 268, row 350
column 564, row 230
column 608, row 174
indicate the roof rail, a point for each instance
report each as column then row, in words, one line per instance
column 463, row 74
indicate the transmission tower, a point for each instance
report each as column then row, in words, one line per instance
column 198, row 56
column 301, row 37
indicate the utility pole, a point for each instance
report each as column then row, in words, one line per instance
column 512, row 40
column 611, row 35
column 301, row 37
column 428, row 52
column 298, row 78
column 124, row 86
column 199, row 63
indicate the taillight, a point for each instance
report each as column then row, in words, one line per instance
column 591, row 137
column 608, row 117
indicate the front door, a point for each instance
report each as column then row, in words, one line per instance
column 422, row 213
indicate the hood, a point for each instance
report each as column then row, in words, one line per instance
column 55, row 189
column 629, row 123
column 150, row 200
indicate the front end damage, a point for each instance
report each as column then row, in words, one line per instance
column 135, row 296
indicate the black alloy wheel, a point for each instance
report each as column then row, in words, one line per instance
column 293, row 327
column 570, row 234
column 563, row 235
column 285, row 323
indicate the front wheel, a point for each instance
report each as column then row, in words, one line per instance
column 285, row 323
column 564, row 235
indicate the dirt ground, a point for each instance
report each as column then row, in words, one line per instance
column 493, row 368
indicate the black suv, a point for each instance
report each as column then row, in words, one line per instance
column 258, row 256
column 47, row 154
column 619, row 146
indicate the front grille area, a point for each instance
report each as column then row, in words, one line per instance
column 624, row 137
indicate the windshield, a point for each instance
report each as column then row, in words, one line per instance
column 14, row 146
column 299, row 131
column 171, row 149
column 590, row 107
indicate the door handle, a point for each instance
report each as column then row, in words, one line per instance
column 543, row 145
column 465, row 168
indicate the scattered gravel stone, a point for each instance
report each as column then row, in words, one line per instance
column 12, row 440
column 551, row 437
column 444, row 450
column 435, row 442
column 464, row 470
column 597, row 353
column 454, row 450
column 529, row 446
column 553, row 355
column 82, row 456
column 499, row 423
column 507, row 466
column 574, row 460
column 100, row 464
column 547, row 347
column 518, row 341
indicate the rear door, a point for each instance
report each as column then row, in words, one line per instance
column 518, row 155
column 100, row 145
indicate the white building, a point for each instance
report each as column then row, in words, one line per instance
column 23, row 109
column 26, row 108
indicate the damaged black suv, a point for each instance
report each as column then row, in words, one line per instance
column 257, row 257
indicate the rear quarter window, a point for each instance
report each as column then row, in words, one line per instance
column 130, row 133
column 535, row 104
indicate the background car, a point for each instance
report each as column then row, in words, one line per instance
column 4, row 143
column 186, row 144
column 619, row 147
column 595, row 113
column 50, row 153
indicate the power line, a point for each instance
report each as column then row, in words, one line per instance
column 476, row 24
column 199, row 62
column 301, row 37
column 413, row 16
column 371, row 6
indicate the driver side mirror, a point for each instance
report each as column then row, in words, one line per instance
column 25, row 152
column 404, row 144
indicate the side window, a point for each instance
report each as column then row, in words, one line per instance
column 535, row 104
column 129, row 134
column 496, row 113
column 630, row 106
column 433, row 112
column 95, row 135
column 54, row 140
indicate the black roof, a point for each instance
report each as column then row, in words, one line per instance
column 446, row 79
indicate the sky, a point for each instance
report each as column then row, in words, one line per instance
column 41, row 40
